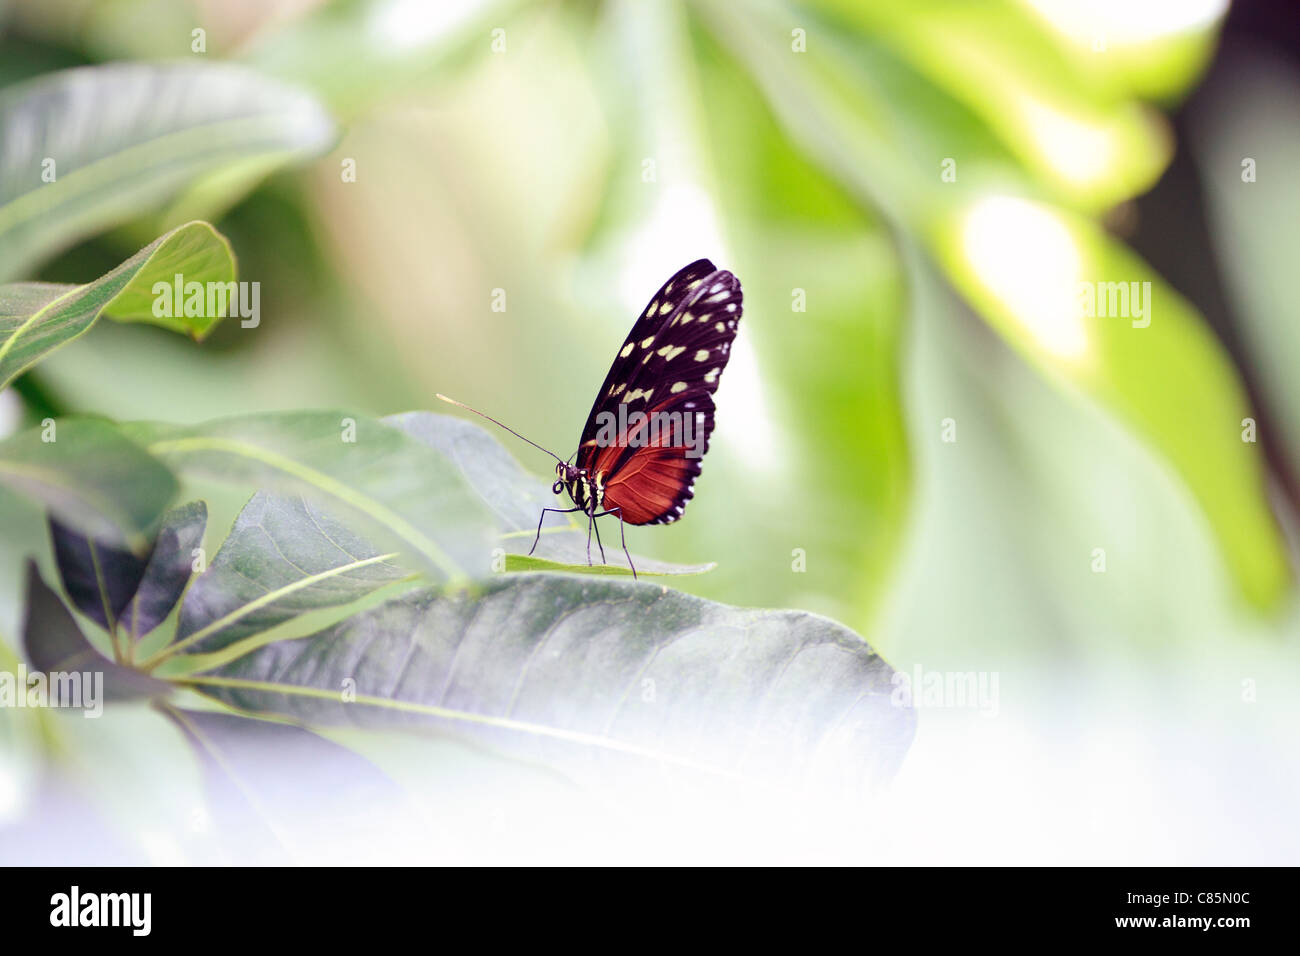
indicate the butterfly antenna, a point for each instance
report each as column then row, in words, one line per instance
column 452, row 401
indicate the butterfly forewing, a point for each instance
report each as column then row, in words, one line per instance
column 668, row 369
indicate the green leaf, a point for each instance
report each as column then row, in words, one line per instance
column 404, row 495
column 517, row 498
column 579, row 672
column 168, row 571
column 99, row 579
column 55, row 645
column 574, row 545
column 91, row 478
column 113, row 587
column 125, row 137
column 38, row 317
column 284, row 557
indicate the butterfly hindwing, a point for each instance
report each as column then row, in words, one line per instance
column 668, row 368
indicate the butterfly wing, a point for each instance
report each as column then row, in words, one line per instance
column 668, row 368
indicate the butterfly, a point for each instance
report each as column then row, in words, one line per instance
column 647, row 433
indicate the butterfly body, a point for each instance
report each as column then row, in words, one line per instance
column 584, row 491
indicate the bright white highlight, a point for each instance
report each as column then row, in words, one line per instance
column 1128, row 22
column 1027, row 258
column 1081, row 152
column 407, row 24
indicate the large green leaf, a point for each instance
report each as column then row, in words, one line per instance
column 404, row 496
column 125, row 137
column 91, row 478
column 584, row 673
column 38, row 317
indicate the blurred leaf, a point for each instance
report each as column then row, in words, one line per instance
column 586, row 671
column 1255, row 221
column 1090, row 147
column 91, row 478
column 26, row 535
column 354, row 52
column 283, row 558
column 517, row 498
column 1157, row 52
column 38, row 317
column 169, row 569
column 273, row 787
column 1152, row 361
column 125, row 137
column 1022, row 263
column 400, row 490
column 55, row 644
column 809, row 250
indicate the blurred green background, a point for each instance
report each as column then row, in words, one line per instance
column 910, row 194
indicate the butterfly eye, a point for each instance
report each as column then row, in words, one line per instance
column 555, row 488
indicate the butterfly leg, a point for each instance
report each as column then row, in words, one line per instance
column 596, row 525
column 542, row 517
column 621, row 537
column 591, row 523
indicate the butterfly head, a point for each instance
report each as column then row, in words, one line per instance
column 568, row 475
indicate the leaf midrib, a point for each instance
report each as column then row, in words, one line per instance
column 260, row 602
column 580, row 738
